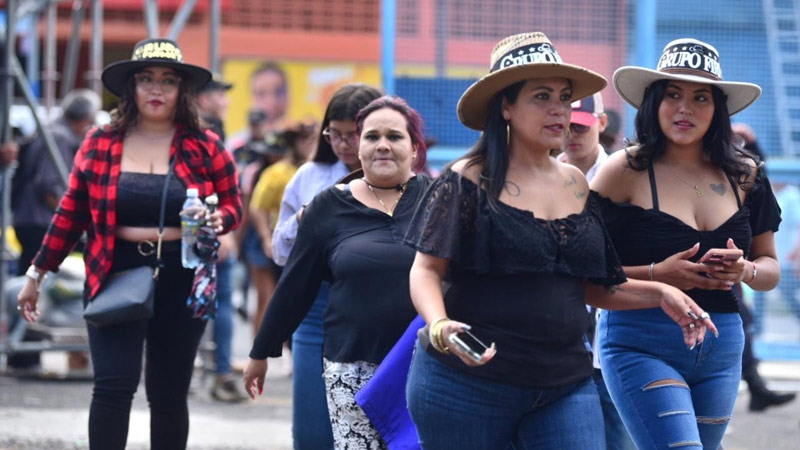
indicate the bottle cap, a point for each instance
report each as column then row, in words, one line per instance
column 192, row 192
column 212, row 200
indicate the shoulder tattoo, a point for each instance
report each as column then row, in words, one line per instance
column 720, row 189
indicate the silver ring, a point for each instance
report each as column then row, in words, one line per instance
column 691, row 326
column 692, row 314
column 704, row 315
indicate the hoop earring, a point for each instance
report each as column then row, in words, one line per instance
column 508, row 134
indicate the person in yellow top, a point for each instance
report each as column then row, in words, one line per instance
column 266, row 198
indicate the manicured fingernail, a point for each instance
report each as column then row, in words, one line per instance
column 465, row 327
column 260, row 390
column 692, row 347
column 716, row 334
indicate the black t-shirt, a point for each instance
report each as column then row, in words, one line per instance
column 360, row 251
column 517, row 280
column 642, row 236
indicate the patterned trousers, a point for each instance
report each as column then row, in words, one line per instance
column 352, row 430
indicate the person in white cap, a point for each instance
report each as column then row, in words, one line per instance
column 584, row 151
column 523, row 246
column 687, row 207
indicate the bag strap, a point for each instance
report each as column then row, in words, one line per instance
column 161, row 217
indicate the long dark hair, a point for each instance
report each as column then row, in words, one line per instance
column 491, row 150
column 345, row 104
column 718, row 142
column 126, row 115
column 413, row 124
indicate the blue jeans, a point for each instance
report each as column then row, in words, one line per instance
column 452, row 409
column 311, row 424
column 666, row 394
column 617, row 437
column 223, row 322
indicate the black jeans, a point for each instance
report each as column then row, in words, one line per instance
column 171, row 338
column 30, row 237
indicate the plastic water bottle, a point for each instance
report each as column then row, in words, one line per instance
column 189, row 226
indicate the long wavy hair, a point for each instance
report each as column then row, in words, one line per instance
column 345, row 104
column 718, row 143
column 126, row 115
column 413, row 124
column 491, row 150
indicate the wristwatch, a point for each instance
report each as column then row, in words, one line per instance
column 35, row 275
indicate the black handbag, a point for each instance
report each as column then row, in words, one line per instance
column 129, row 295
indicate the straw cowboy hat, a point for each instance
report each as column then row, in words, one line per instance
column 153, row 52
column 517, row 58
column 685, row 60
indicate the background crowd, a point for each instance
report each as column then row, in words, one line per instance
column 282, row 164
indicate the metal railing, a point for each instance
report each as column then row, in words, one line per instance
column 12, row 73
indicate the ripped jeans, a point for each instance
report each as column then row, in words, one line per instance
column 667, row 395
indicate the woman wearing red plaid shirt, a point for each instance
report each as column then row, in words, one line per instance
column 114, row 196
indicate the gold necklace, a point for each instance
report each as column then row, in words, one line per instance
column 400, row 187
column 697, row 188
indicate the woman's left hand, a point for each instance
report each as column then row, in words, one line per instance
column 684, row 311
column 733, row 270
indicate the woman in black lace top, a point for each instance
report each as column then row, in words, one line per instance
column 523, row 247
column 688, row 208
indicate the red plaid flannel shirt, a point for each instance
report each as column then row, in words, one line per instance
column 90, row 203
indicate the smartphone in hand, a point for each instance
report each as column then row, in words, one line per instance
column 718, row 255
column 469, row 344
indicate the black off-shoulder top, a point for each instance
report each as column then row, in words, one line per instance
column 642, row 236
column 516, row 279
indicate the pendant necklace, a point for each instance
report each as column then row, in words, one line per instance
column 400, row 187
column 697, row 188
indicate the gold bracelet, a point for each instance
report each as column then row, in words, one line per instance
column 436, row 335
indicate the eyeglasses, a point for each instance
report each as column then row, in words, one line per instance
column 334, row 138
column 147, row 83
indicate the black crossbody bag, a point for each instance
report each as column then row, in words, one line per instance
column 129, row 295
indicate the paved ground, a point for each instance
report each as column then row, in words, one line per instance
column 43, row 414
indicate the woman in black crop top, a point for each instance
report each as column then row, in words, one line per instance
column 352, row 236
column 523, row 247
column 689, row 208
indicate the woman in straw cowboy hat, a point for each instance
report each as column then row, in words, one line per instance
column 687, row 207
column 524, row 247
column 114, row 194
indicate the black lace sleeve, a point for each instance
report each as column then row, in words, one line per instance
column 444, row 218
column 614, row 274
column 765, row 214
